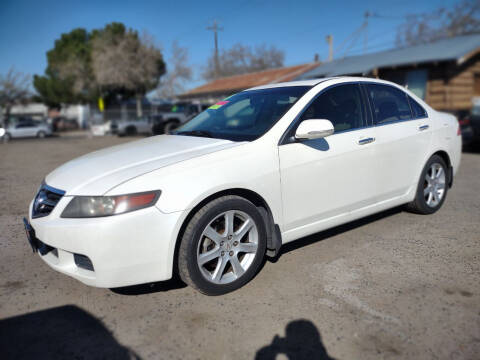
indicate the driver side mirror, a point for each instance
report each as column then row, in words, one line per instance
column 314, row 129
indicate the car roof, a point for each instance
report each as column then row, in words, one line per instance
column 289, row 83
column 314, row 82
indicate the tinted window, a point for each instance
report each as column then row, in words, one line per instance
column 389, row 103
column 417, row 110
column 244, row 116
column 25, row 124
column 342, row 105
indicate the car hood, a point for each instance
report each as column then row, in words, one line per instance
column 100, row 171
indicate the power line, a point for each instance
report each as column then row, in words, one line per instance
column 386, row 45
column 194, row 28
column 351, row 40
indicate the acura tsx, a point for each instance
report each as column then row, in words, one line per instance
column 261, row 168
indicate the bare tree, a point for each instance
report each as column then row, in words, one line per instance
column 462, row 19
column 174, row 81
column 14, row 89
column 128, row 61
column 241, row 59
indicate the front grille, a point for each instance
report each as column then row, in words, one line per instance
column 45, row 201
column 83, row 262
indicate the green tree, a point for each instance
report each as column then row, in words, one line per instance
column 68, row 77
column 80, row 66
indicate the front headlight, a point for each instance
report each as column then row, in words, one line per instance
column 97, row 206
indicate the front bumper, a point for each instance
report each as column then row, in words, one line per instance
column 127, row 249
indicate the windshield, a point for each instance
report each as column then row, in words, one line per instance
column 244, row 116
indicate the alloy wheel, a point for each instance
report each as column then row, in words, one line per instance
column 434, row 185
column 227, row 247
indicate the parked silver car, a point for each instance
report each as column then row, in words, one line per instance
column 132, row 127
column 27, row 128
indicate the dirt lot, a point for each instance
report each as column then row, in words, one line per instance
column 395, row 285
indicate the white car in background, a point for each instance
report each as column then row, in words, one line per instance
column 264, row 167
column 100, row 128
column 27, row 128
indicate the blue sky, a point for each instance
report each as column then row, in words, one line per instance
column 28, row 29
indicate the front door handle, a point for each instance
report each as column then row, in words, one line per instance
column 423, row 127
column 366, row 141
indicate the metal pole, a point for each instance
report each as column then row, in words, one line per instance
column 215, row 28
column 329, row 39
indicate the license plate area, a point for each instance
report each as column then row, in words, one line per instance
column 37, row 245
column 32, row 239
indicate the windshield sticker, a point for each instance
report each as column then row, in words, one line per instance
column 218, row 105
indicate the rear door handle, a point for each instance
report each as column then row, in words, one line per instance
column 423, row 127
column 366, row 141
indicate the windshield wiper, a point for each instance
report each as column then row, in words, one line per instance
column 200, row 133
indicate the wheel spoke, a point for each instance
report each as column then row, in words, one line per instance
column 245, row 228
column 208, row 256
column 237, row 267
column 247, row 247
column 229, row 216
column 426, row 191
column 213, row 235
column 439, row 172
column 218, row 273
column 430, row 197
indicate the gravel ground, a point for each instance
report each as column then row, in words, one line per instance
column 394, row 285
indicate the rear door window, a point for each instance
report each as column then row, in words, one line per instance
column 389, row 104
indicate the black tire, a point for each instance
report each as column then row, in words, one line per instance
column 41, row 134
column 131, row 131
column 7, row 137
column 419, row 204
column 188, row 268
column 170, row 126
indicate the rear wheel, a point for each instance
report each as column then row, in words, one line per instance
column 131, row 130
column 432, row 188
column 41, row 134
column 7, row 137
column 170, row 126
column 223, row 246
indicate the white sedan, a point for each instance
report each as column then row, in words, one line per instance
column 264, row 167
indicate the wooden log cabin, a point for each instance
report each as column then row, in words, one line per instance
column 446, row 73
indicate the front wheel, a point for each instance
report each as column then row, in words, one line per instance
column 41, row 134
column 223, row 246
column 432, row 188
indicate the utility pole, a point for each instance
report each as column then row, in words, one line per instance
column 329, row 39
column 215, row 28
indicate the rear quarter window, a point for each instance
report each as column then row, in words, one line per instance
column 417, row 110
